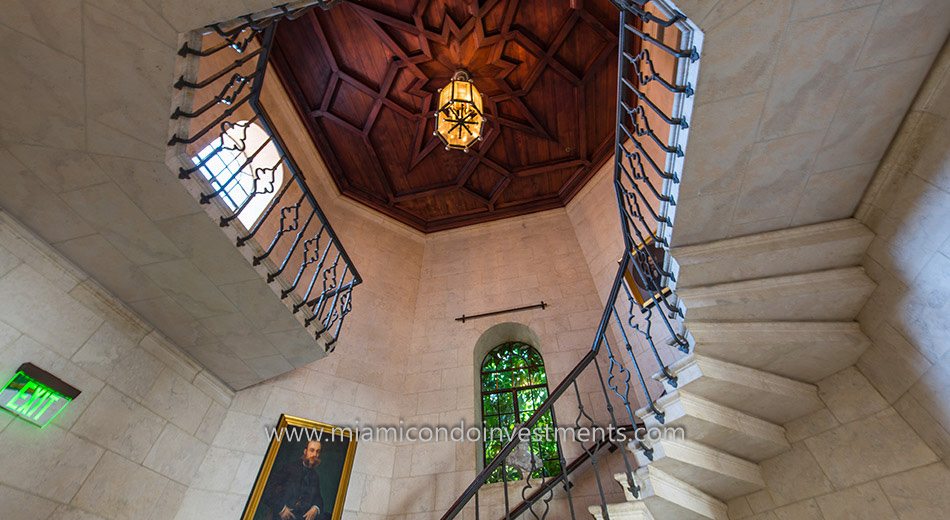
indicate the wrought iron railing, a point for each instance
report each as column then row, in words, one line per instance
column 641, row 331
column 232, row 159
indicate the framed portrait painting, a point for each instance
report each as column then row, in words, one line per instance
column 304, row 474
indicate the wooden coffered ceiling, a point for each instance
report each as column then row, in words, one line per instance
column 364, row 77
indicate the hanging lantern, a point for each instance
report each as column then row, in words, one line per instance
column 459, row 119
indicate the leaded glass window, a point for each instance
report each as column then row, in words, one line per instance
column 229, row 163
column 514, row 386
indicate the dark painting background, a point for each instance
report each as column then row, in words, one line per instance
column 332, row 459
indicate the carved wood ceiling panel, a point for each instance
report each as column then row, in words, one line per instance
column 365, row 75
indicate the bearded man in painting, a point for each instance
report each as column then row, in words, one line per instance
column 302, row 499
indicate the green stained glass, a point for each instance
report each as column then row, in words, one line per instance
column 552, row 467
column 530, row 399
column 489, row 404
column 497, row 381
column 532, row 357
column 539, row 378
column 514, row 386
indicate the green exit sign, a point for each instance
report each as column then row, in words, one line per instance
column 36, row 395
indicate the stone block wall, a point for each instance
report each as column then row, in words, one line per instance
column 855, row 458
column 360, row 383
column 494, row 266
column 796, row 103
column 908, row 316
column 131, row 444
column 596, row 222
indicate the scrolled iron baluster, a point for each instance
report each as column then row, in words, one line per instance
column 258, row 175
column 567, row 478
column 673, row 121
column 293, row 248
column 592, row 450
column 691, row 54
column 346, row 305
column 636, row 190
column 334, row 312
column 644, row 58
column 657, row 296
column 329, row 284
column 310, row 256
column 176, row 139
column 646, row 333
column 264, row 182
column 670, row 176
column 182, row 83
column 635, row 490
column 527, row 475
column 260, row 220
column 313, row 279
column 641, row 126
column 615, row 426
column 236, row 84
column 289, row 222
column 625, row 396
column 239, row 145
column 631, row 210
column 636, row 165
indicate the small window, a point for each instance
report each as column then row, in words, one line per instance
column 514, row 385
column 244, row 167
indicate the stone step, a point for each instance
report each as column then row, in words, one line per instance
column 805, row 351
column 798, row 250
column 717, row 426
column 711, row 471
column 622, row 511
column 667, row 497
column 761, row 394
column 833, row 295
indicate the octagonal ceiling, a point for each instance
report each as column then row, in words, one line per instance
column 364, row 78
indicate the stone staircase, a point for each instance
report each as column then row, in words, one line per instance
column 768, row 315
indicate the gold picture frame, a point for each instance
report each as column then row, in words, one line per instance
column 643, row 295
column 287, row 448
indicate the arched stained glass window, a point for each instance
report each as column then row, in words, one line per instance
column 514, row 386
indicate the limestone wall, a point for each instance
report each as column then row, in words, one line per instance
column 880, row 448
column 854, row 458
column 146, row 416
column 360, row 383
column 495, row 266
column 908, row 316
column 596, row 220
column 796, row 103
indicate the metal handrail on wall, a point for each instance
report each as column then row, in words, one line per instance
column 219, row 109
column 657, row 66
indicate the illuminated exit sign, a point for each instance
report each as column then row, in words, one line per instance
column 36, row 395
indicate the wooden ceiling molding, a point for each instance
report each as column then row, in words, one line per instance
column 365, row 75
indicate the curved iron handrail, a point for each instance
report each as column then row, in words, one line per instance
column 646, row 271
column 292, row 238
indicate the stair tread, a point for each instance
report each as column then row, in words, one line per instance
column 622, row 511
column 756, row 392
column 669, row 497
column 712, row 471
column 805, row 351
column 719, row 426
column 831, row 295
column 815, row 247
